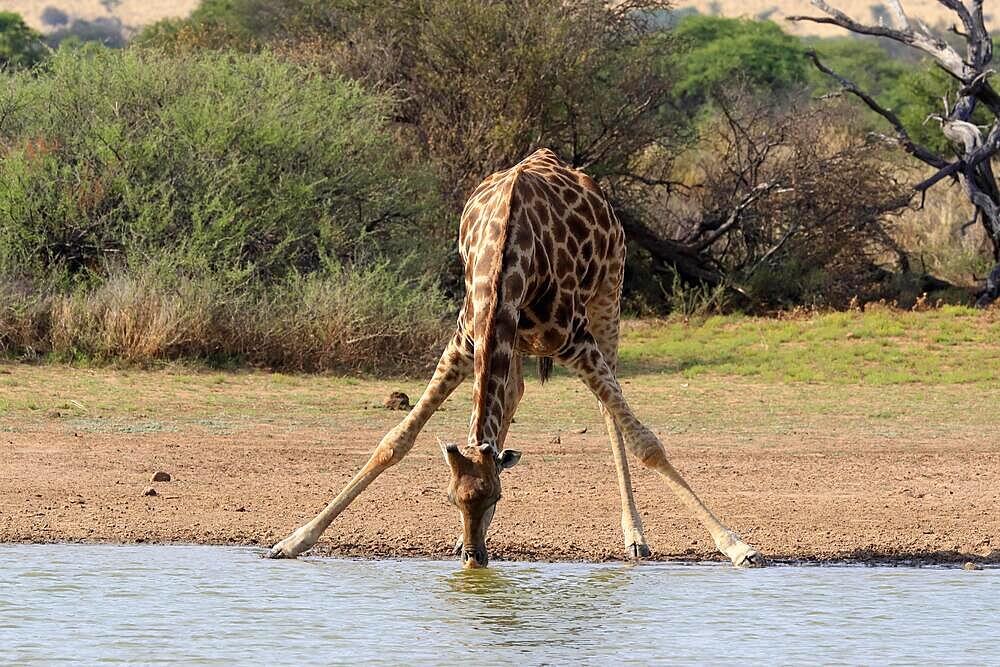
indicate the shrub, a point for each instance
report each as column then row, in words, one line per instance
column 239, row 165
column 786, row 204
column 212, row 206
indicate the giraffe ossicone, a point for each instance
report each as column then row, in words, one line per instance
column 544, row 259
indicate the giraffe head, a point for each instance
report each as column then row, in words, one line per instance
column 475, row 489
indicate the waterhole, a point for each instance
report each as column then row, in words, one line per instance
column 84, row 604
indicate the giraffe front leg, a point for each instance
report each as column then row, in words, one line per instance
column 390, row 451
column 454, row 366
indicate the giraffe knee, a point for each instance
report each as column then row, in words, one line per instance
column 392, row 449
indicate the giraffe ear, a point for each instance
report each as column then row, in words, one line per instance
column 452, row 455
column 508, row 458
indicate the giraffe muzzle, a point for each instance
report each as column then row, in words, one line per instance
column 474, row 558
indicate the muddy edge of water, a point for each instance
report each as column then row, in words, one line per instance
column 938, row 560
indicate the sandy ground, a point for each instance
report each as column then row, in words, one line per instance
column 807, row 472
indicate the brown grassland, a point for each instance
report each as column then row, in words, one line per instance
column 930, row 12
column 133, row 13
column 867, row 436
column 136, row 13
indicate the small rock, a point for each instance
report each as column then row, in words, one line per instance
column 160, row 476
column 397, row 401
column 240, row 509
column 972, row 566
column 150, row 491
column 579, row 431
column 55, row 414
column 556, row 440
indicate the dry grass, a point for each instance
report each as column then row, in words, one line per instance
column 360, row 320
column 133, row 13
column 934, row 235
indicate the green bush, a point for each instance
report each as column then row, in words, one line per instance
column 214, row 206
column 233, row 165
column 20, row 46
column 719, row 52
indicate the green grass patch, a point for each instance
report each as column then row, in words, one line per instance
column 881, row 346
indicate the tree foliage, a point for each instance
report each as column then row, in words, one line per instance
column 20, row 46
column 222, row 163
column 716, row 52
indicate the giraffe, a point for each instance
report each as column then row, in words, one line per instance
column 544, row 260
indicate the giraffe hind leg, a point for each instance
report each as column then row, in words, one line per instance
column 603, row 324
column 636, row 546
column 585, row 358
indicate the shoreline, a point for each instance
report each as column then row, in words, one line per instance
column 326, row 552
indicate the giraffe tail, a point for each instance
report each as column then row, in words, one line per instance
column 544, row 369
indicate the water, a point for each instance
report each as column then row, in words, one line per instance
column 211, row 605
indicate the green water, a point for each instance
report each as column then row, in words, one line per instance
column 83, row 604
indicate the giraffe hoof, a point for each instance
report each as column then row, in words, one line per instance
column 298, row 542
column 638, row 551
column 752, row 558
column 276, row 552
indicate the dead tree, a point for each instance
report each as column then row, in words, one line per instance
column 973, row 166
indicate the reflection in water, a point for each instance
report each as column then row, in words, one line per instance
column 208, row 605
column 525, row 598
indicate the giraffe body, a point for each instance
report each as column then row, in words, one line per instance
column 544, row 258
column 535, row 270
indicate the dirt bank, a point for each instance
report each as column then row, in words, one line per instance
column 800, row 483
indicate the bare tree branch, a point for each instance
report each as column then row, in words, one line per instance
column 973, row 168
column 756, row 193
column 902, row 136
column 923, row 39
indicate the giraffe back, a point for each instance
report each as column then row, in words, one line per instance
column 562, row 250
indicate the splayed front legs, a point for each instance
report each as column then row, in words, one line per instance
column 454, row 366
